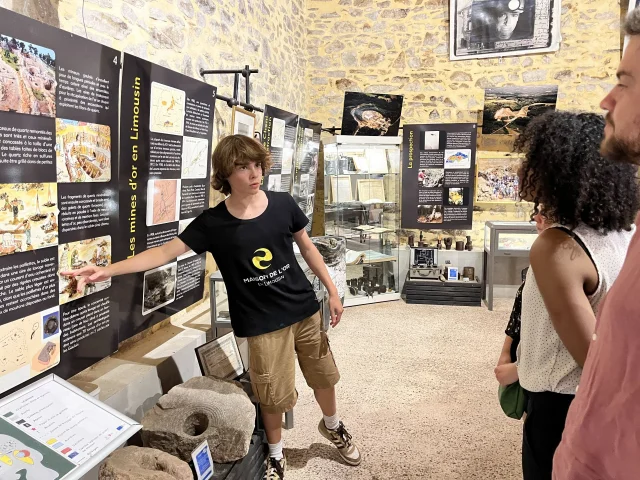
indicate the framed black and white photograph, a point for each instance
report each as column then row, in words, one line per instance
column 501, row 28
column 220, row 358
column 243, row 121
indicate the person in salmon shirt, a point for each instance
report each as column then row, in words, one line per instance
column 601, row 439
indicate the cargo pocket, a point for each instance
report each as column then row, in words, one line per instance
column 262, row 388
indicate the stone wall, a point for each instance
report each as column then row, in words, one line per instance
column 402, row 47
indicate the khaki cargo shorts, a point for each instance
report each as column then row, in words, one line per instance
column 272, row 365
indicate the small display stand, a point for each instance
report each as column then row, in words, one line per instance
column 53, row 430
column 504, row 239
column 429, row 281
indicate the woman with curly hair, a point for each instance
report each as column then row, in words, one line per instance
column 589, row 205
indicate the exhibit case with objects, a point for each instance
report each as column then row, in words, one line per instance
column 362, row 186
column 504, row 239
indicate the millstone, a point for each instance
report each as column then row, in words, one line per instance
column 136, row 463
column 203, row 408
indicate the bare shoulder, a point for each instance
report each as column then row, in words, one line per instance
column 555, row 246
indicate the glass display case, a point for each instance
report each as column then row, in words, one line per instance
column 509, row 238
column 504, row 239
column 362, row 187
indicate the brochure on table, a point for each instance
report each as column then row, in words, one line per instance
column 51, row 430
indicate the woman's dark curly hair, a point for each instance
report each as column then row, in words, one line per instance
column 564, row 173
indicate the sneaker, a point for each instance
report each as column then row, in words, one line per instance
column 342, row 440
column 275, row 469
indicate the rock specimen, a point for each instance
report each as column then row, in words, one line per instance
column 201, row 408
column 135, row 463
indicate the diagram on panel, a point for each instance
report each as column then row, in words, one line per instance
column 75, row 255
column 13, row 345
column 167, row 109
column 194, row 157
column 28, row 216
column 26, row 350
column 83, row 152
column 163, row 201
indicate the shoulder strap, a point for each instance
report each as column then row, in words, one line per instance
column 578, row 240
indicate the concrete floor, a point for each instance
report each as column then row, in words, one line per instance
column 418, row 395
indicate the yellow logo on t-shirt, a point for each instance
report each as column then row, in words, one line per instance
column 259, row 259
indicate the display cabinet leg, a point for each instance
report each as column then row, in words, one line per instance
column 288, row 420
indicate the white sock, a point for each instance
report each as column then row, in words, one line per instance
column 332, row 423
column 275, row 450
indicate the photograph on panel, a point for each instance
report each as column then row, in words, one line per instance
column 278, row 128
column 274, row 183
column 76, row 255
column 431, row 140
column 287, row 160
column 83, row 152
column 28, row 216
column 430, row 214
column 195, row 157
column 167, row 109
column 431, row 177
column 163, row 201
column 159, row 287
column 457, row 197
column 309, row 205
column 27, row 77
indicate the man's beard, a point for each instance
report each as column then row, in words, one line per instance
column 618, row 150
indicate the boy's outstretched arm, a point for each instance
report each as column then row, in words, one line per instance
column 142, row 262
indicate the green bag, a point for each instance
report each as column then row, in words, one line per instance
column 512, row 400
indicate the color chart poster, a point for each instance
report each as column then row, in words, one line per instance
column 58, row 199
column 438, row 172
column 167, row 127
column 279, row 138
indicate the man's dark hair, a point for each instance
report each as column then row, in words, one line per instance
column 632, row 23
column 564, row 173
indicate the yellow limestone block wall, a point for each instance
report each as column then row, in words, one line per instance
column 402, row 47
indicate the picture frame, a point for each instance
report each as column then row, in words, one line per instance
column 371, row 190
column 220, row 358
column 341, row 188
column 496, row 180
column 243, row 122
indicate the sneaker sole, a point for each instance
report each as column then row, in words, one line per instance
column 348, row 461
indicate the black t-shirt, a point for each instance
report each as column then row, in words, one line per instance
column 266, row 288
